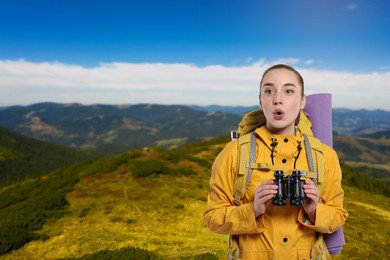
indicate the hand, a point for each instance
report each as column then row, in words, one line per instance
column 310, row 204
column 263, row 196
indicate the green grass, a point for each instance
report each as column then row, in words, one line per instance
column 367, row 228
column 110, row 209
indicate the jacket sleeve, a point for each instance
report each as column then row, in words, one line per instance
column 330, row 214
column 221, row 215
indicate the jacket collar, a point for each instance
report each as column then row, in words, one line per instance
column 266, row 136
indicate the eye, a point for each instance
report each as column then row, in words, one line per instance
column 290, row 91
column 268, row 91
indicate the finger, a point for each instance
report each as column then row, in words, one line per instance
column 311, row 196
column 266, row 183
column 310, row 187
column 311, row 192
column 266, row 193
column 266, row 186
column 309, row 182
column 266, row 197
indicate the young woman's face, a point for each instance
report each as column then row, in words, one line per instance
column 281, row 100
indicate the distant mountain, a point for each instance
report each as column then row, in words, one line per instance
column 235, row 110
column 368, row 123
column 23, row 157
column 374, row 123
column 114, row 129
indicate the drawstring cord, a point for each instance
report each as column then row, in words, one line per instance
column 299, row 147
column 273, row 145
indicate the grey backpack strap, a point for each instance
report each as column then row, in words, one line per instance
column 309, row 154
column 252, row 157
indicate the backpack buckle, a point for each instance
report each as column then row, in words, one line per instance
column 237, row 200
column 234, row 134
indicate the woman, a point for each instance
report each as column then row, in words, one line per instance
column 264, row 230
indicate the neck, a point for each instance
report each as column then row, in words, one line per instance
column 291, row 131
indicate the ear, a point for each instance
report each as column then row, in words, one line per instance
column 303, row 102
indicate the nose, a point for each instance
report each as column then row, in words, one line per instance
column 277, row 100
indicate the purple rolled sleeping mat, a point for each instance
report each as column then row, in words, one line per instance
column 319, row 110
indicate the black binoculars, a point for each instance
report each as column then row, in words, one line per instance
column 289, row 187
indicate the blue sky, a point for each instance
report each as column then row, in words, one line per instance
column 191, row 51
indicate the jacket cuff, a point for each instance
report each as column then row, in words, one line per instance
column 321, row 224
column 253, row 224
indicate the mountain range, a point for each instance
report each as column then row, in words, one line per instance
column 117, row 128
column 114, row 129
column 362, row 122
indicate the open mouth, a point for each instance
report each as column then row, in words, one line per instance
column 278, row 114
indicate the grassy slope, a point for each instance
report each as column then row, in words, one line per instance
column 23, row 157
column 368, row 227
column 369, row 155
column 113, row 210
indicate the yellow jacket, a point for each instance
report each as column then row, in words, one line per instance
column 282, row 232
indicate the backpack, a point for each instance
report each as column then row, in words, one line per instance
column 246, row 145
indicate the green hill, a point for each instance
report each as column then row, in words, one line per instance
column 151, row 199
column 23, row 157
column 369, row 155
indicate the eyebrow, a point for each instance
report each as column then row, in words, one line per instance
column 284, row 85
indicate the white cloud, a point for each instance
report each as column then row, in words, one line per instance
column 309, row 62
column 351, row 6
column 23, row 82
column 290, row 61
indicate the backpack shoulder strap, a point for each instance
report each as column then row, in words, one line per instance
column 315, row 158
column 246, row 154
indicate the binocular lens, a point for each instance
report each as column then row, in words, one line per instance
column 289, row 187
column 279, row 198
